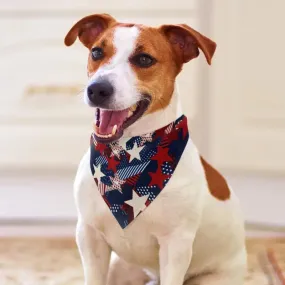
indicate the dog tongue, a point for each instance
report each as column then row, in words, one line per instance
column 108, row 119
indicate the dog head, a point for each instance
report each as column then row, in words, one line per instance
column 132, row 68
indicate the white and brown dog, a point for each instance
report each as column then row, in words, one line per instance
column 193, row 232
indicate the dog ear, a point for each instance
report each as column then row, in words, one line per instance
column 88, row 29
column 186, row 42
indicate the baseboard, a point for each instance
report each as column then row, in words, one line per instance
column 51, row 230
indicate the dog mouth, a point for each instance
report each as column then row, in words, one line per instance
column 110, row 124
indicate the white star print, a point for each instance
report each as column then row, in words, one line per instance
column 98, row 173
column 138, row 203
column 135, row 152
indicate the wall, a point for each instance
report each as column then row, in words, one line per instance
column 236, row 106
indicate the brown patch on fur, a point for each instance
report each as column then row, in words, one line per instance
column 186, row 42
column 89, row 28
column 171, row 46
column 158, row 79
column 216, row 182
column 105, row 41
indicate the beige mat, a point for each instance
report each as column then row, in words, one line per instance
column 56, row 262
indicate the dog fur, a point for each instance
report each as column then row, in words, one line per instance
column 193, row 233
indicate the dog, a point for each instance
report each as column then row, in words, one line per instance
column 186, row 225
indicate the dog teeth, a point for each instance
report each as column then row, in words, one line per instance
column 114, row 130
column 133, row 108
column 130, row 113
column 96, row 129
column 104, row 136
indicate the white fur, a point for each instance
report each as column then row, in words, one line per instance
column 185, row 232
column 118, row 70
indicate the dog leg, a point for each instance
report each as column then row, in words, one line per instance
column 95, row 254
column 174, row 256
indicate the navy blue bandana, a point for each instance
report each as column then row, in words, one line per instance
column 131, row 172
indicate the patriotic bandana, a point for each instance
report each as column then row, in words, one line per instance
column 131, row 172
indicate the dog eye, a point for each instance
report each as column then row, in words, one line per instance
column 143, row 60
column 97, row 53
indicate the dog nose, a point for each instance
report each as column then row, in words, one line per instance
column 98, row 91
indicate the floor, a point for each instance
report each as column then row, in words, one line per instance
column 41, row 261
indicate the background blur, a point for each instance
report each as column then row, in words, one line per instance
column 236, row 106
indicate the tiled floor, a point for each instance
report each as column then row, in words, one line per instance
column 56, row 261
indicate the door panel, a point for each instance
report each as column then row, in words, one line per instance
column 247, row 120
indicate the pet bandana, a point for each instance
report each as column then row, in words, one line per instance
column 131, row 172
